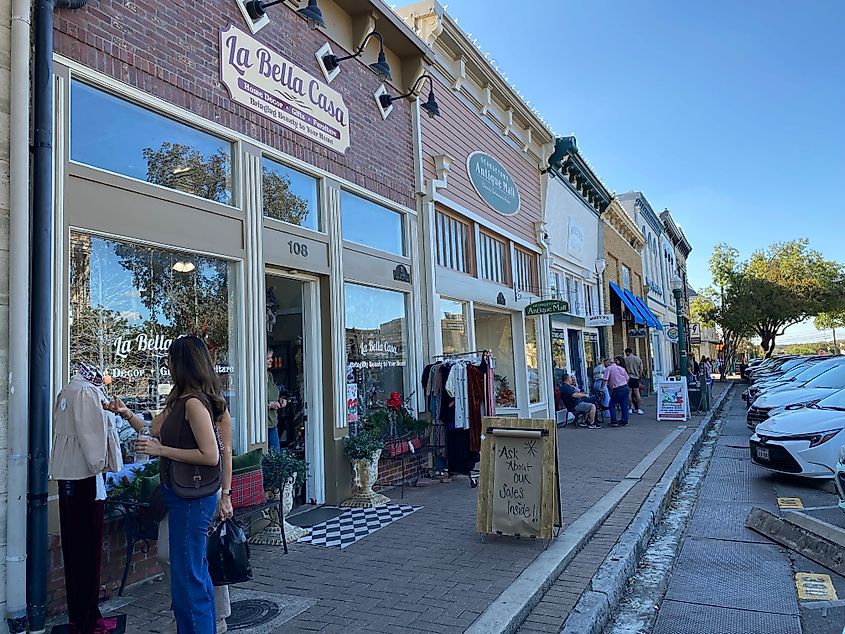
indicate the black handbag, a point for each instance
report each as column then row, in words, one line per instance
column 227, row 552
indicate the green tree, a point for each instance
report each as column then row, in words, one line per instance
column 280, row 202
column 787, row 283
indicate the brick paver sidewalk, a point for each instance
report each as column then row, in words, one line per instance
column 430, row 571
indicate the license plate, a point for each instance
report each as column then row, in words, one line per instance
column 762, row 453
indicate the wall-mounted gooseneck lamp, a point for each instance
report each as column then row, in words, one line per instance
column 381, row 66
column 430, row 106
column 311, row 13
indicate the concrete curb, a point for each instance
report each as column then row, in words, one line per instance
column 595, row 607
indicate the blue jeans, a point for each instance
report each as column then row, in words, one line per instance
column 191, row 590
column 273, row 438
column 619, row 396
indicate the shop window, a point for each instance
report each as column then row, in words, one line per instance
column 371, row 225
column 591, row 298
column 525, row 267
column 493, row 332
column 454, row 243
column 559, row 364
column 127, row 304
column 493, row 259
column 376, row 348
column 453, row 326
column 115, row 135
column 532, row 360
column 289, row 195
column 625, row 274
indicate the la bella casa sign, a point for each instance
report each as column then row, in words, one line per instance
column 264, row 81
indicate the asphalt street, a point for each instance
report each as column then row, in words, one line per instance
column 728, row 579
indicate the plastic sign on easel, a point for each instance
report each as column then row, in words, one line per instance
column 519, row 492
column 673, row 399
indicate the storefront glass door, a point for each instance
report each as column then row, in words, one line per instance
column 576, row 357
column 292, row 323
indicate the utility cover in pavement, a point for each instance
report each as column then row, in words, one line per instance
column 813, row 586
column 790, row 503
column 263, row 612
column 740, row 575
column 676, row 617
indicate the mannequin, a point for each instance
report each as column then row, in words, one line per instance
column 84, row 446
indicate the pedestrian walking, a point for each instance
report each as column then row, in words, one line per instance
column 578, row 402
column 617, row 383
column 634, row 366
column 186, row 438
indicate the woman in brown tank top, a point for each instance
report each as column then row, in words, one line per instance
column 189, row 420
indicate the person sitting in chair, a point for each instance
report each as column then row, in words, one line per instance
column 578, row 403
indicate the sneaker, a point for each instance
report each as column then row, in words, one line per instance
column 640, row 412
column 623, row 424
column 595, row 426
column 583, row 424
column 614, row 424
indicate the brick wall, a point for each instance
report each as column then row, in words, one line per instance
column 619, row 252
column 144, row 565
column 171, row 50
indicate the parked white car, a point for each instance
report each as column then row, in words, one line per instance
column 795, row 378
column 803, row 442
column 839, row 480
column 811, row 392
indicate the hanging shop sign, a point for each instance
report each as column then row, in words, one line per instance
column 547, row 307
column 636, row 333
column 493, row 183
column 269, row 84
column 672, row 399
column 671, row 332
column 695, row 334
column 597, row 321
column 519, row 488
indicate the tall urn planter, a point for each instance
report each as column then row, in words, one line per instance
column 282, row 474
column 366, row 475
column 364, row 450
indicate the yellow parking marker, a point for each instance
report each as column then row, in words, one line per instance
column 814, row 587
column 790, row 503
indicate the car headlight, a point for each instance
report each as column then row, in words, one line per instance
column 795, row 406
column 842, row 454
column 819, row 438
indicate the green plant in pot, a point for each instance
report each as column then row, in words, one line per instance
column 283, row 472
column 364, row 450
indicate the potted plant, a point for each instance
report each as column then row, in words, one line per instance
column 283, row 473
column 364, row 450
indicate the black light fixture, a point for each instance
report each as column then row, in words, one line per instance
column 311, row 13
column 381, row 66
column 430, row 106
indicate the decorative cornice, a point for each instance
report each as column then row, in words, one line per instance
column 567, row 163
column 675, row 233
column 621, row 222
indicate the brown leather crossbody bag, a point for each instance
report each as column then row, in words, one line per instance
column 191, row 481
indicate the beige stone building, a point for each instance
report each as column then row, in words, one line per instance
column 623, row 243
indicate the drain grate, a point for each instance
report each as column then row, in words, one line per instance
column 251, row 613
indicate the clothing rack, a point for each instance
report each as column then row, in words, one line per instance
column 475, row 354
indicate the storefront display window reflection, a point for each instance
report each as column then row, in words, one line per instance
column 493, row 332
column 127, row 304
column 453, row 327
column 118, row 136
column 372, row 225
column 376, row 348
column 532, row 360
column 289, row 195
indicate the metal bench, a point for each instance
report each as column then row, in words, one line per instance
column 140, row 526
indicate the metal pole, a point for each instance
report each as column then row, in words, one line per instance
column 682, row 352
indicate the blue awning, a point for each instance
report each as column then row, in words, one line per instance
column 629, row 304
column 651, row 318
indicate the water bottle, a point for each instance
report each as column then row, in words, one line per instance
column 141, row 457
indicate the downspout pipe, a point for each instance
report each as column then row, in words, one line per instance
column 41, row 310
column 40, row 325
column 18, row 317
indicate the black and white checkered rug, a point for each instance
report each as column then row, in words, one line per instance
column 356, row 524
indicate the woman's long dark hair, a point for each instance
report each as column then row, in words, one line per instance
column 192, row 370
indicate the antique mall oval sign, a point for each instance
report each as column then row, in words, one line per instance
column 493, row 183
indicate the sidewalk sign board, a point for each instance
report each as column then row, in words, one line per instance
column 519, row 488
column 673, row 399
column 598, row 321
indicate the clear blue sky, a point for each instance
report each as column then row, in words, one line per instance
column 728, row 113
